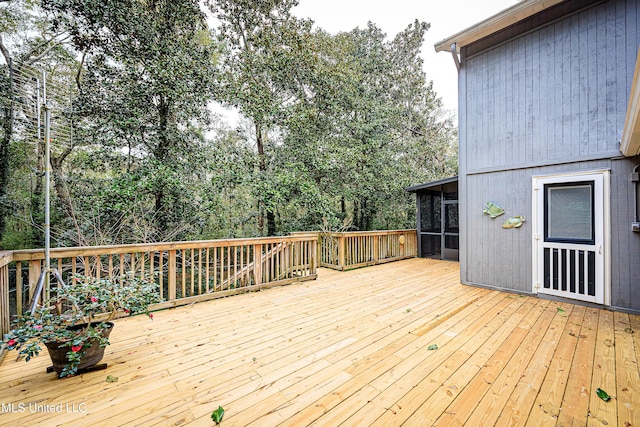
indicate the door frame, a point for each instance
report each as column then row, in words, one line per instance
column 538, row 212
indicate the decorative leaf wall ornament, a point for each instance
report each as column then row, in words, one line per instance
column 514, row 222
column 493, row 210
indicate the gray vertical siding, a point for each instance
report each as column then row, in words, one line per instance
column 462, row 166
column 625, row 245
column 500, row 257
column 549, row 101
column 553, row 94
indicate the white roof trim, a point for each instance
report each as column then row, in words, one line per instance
column 630, row 143
column 500, row 21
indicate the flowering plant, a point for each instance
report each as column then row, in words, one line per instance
column 76, row 316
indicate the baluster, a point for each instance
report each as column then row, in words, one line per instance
column 193, row 272
column 184, row 272
column 110, row 265
column 207, row 270
column 18, row 287
column 199, row 271
column 215, row 268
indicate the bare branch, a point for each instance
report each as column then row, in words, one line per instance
column 80, row 66
column 4, row 50
column 61, row 158
column 48, row 49
column 44, row 43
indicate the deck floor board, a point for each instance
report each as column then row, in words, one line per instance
column 350, row 348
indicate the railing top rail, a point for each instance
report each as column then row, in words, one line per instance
column 5, row 258
column 367, row 233
column 35, row 254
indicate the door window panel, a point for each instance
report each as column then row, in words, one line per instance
column 569, row 213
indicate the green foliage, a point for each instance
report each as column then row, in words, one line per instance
column 375, row 132
column 144, row 91
column 217, row 415
column 603, row 394
column 67, row 317
column 334, row 127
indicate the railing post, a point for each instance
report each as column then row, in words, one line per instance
column 5, row 318
column 318, row 254
column 376, row 248
column 341, row 251
column 413, row 238
column 171, row 273
column 315, row 248
column 257, row 264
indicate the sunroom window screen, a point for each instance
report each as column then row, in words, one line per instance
column 430, row 212
column 569, row 215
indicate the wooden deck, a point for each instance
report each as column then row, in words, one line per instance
column 351, row 348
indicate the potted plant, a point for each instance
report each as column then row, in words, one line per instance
column 75, row 322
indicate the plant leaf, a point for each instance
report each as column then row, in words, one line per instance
column 112, row 379
column 217, row 415
column 433, row 347
column 603, row 394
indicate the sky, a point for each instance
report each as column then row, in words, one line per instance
column 446, row 18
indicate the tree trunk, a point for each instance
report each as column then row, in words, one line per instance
column 366, row 219
column 7, row 132
column 61, row 189
column 161, row 153
column 37, row 201
column 262, row 206
column 271, row 223
column 356, row 215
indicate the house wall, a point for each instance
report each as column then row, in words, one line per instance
column 551, row 100
column 625, row 245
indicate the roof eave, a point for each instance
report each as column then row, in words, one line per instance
column 419, row 187
column 512, row 15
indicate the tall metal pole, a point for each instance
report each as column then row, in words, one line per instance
column 47, row 178
column 38, row 111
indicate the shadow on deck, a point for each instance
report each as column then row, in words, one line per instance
column 354, row 348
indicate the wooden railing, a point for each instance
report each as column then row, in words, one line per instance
column 185, row 271
column 5, row 261
column 188, row 272
column 344, row 251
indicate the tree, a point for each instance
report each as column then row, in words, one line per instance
column 144, row 90
column 370, row 127
column 336, row 126
column 261, row 74
column 26, row 39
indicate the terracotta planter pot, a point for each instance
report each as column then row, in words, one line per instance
column 93, row 353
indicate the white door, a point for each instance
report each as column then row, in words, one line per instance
column 569, row 235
